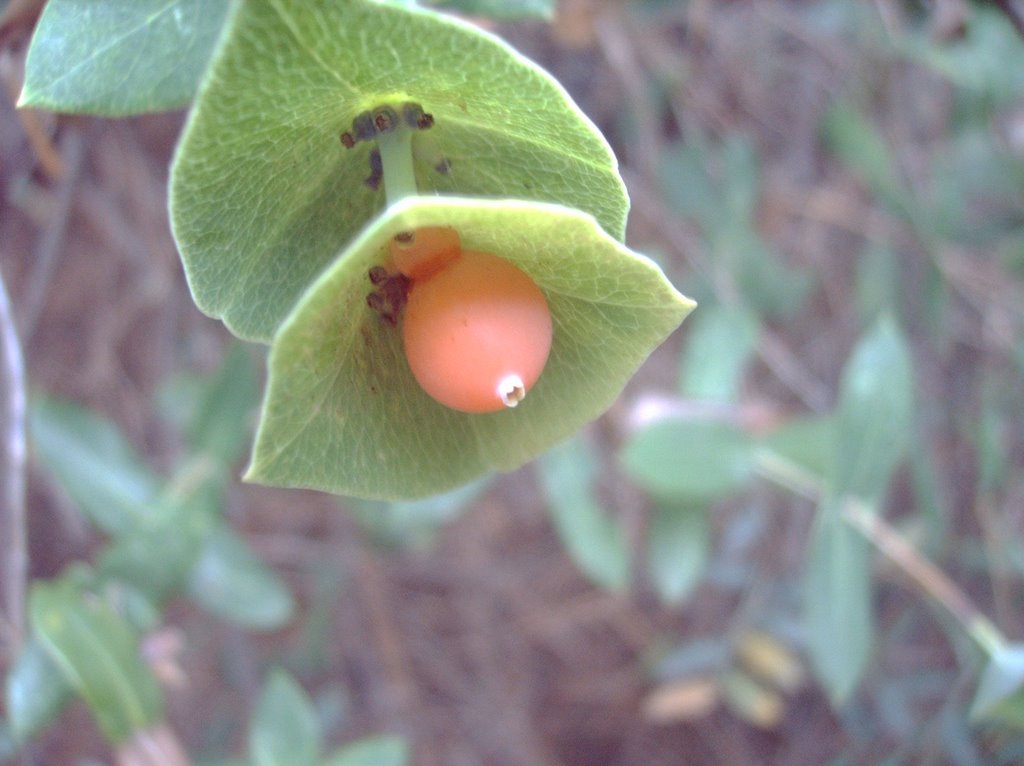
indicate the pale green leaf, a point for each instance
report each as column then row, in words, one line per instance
column 987, row 58
column 156, row 555
column 284, row 730
column 372, row 751
column 685, row 181
column 684, row 458
column 873, row 422
column 863, row 149
column 837, row 603
column 222, row 419
column 264, row 195
column 36, row 691
column 875, row 413
column 413, row 521
column 721, row 343
column 228, row 580
column 1000, row 694
column 343, row 412
column 769, row 286
column 97, row 651
column 592, row 537
column 679, row 541
column 742, row 178
column 878, row 287
column 94, row 464
column 120, row 57
column 807, row 441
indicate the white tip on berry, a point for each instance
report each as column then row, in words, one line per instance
column 511, row 390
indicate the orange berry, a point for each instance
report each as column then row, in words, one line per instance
column 477, row 333
column 425, row 251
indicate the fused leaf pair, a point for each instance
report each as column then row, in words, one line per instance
column 278, row 233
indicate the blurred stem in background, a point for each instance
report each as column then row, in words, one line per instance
column 894, row 546
column 12, row 480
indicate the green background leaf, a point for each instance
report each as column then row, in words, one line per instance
column 679, row 542
column 285, row 730
column 344, row 414
column 414, row 521
column 230, row 581
column 222, row 419
column 593, row 537
column 1000, row 693
column 94, row 464
column 264, row 196
column 873, row 423
column 808, row 441
column 721, row 342
column 36, row 691
column 372, row 751
column 98, row 654
column 875, row 413
column 839, row 620
column 120, row 57
column 685, row 458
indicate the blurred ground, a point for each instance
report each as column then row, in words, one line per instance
column 489, row 647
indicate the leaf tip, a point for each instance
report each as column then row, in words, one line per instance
column 24, row 98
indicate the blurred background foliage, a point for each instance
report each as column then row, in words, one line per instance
column 797, row 538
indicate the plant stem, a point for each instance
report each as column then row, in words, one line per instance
column 12, row 475
column 787, row 474
column 929, row 578
column 396, row 159
column 894, row 546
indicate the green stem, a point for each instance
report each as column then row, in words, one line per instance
column 892, row 545
column 396, row 160
column 787, row 474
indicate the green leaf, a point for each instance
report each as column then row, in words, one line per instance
column 679, row 541
column 403, row 523
column 809, row 442
column 768, row 286
column 372, row 751
column 878, row 289
column 120, row 57
column 1000, row 694
column 840, row 626
column 229, row 581
column 873, row 423
column 687, row 459
column 97, row 651
column 875, row 413
column 593, row 539
column 94, row 464
column 284, row 729
column 501, row 10
column 686, row 183
column 742, row 178
column 157, row 554
column 721, row 342
column 344, row 414
column 263, row 194
column 36, row 692
column 864, row 151
column 222, row 420
column 988, row 58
